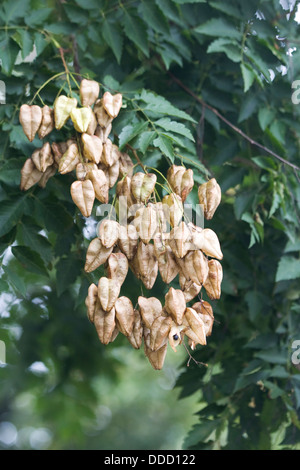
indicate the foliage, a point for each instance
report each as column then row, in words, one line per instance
column 183, row 67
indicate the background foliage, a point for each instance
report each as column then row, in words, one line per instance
column 183, row 67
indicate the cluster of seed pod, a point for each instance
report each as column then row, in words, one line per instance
column 151, row 237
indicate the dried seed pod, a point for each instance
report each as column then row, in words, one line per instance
column 175, row 304
column 208, row 242
column 123, row 189
column 43, row 157
column 51, row 170
column 136, row 336
column 205, row 312
column 147, row 264
column 89, row 92
column 91, row 301
column 83, row 196
column 156, row 358
column 167, row 265
column 194, row 322
column 100, row 184
column 210, row 196
column 103, row 132
column 181, row 180
column 92, row 125
column 30, row 118
column 103, row 118
column 173, row 209
column 105, row 323
column 213, row 282
column 145, row 221
column 175, row 336
column 150, row 309
column 113, row 174
column 47, row 124
column 58, row 149
column 117, row 267
column 159, row 332
column 108, row 232
column 124, row 315
column 81, row 118
column 69, row 160
column 180, row 240
column 111, row 153
column 128, row 240
column 112, row 103
column 30, row 175
column 83, row 169
column 62, row 110
column 92, row 147
column 126, row 165
column 108, row 292
column 194, row 266
column 96, row 255
column 142, row 186
column 114, row 334
column 191, row 290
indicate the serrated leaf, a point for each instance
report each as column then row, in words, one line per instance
column 154, row 17
column 158, row 104
column 54, row 216
column 13, row 10
column 183, row 2
column 145, row 139
column 201, row 432
column 31, row 238
column 8, row 54
column 38, row 17
column 288, row 268
column 130, row 132
column 228, row 46
column 174, row 126
column 15, row 280
column 265, row 117
column 218, row 27
column 25, row 41
column 248, row 77
column 10, row 171
column 113, row 38
column 67, row 271
column 164, row 143
column 10, row 214
column 136, row 31
column 30, row 260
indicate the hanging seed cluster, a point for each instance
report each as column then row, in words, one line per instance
column 141, row 240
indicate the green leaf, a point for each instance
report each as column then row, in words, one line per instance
column 164, row 143
column 136, row 30
column 228, row 46
column 40, row 43
column 30, row 260
column 25, row 41
column 219, row 27
column 146, row 139
column 76, row 14
column 278, row 130
column 292, row 246
column 274, row 356
column 53, row 215
column 288, row 268
column 265, row 117
column 10, row 171
column 129, row 132
column 38, row 17
column 174, row 126
column 159, row 105
column 248, row 77
column 30, row 237
column 113, row 38
column 248, row 107
column 15, row 280
column 8, row 54
column 67, row 270
column 153, row 17
column 201, row 432
column 10, row 214
column 183, row 2
column 13, row 10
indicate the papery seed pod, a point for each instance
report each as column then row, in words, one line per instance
column 173, row 209
column 175, row 336
column 81, row 118
column 83, row 196
column 194, row 322
column 30, row 118
column 103, row 132
column 108, row 232
column 114, row 334
column 58, row 149
column 96, row 255
column 83, row 169
column 92, row 147
column 208, row 242
column 142, row 186
column 124, row 189
column 210, row 196
column 175, row 304
column 117, row 267
column 145, row 221
column 136, row 336
column 213, row 282
column 150, row 309
column 126, row 165
column 69, row 160
column 161, row 242
column 124, row 315
column 147, row 263
column 128, row 240
column 89, row 92
column 159, row 332
column 30, row 175
column 111, row 153
column 108, row 292
column 51, row 170
column 62, row 110
column 47, row 124
column 105, row 323
column 91, row 301
column 205, row 312
column 156, row 358
column 43, row 157
column 103, row 118
column 100, row 184
column 112, row 103
column 181, row 180
column 167, row 265
column 92, row 125
column 113, row 174
column 180, row 240
column 189, row 288
column 194, row 266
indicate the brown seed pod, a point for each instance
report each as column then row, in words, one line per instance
column 208, row 242
column 51, row 170
column 213, row 282
column 58, row 149
column 89, row 92
column 103, row 118
column 62, row 110
column 103, row 132
column 126, row 165
column 83, row 196
column 111, row 153
column 150, row 309
column 193, row 322
column 108, row 292
column 124, row 315
column 180, row 240
column 91, row 301
column 156, row 358
column 145, row 221
column 175, row 336
column 112, row 103
column 92, row 147
column 205, row 312
column 100, row 184
column 167, row 265
column 113, row 174
column 96, row 255
column 114, row 334
column 210, row 196
column 108, row 232
column 128, row 240
column 147, row 264
column 136, row 336
column 181, row 180
column 69, row 160
column 123, row 189
column 105, row 323
column 117, row 267
column 173, row 209
column 30, row 118
column 92, row 125
column 47, row 124
column 194, row 266
column 175, row 304
column 189, row 288
column 81, row 118
column 142, row 186
column 30, row 175
column 43, row 157
column 83, row 169
column 159, row 332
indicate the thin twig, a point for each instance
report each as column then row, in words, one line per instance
column 137, row 157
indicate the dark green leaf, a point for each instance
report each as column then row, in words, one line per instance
column 10, row 214
column 30, row 260
column 113, row 38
